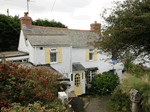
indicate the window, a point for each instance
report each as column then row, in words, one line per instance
column 82, row 75
column 90, row 75
column 77, row 80
column 27, row 42
column 53, row 55
column 91, row 53
column 71, row 77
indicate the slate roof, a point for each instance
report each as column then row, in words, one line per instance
column 8, row 54
column 78, row 67
column 45, row 36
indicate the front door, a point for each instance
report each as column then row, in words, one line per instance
column 77, row 83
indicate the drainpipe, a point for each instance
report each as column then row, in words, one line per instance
column 35, row 55
column 71, row 58
column 70, row 65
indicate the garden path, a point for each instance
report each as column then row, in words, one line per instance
column 98, row 104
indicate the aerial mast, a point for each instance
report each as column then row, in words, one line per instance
column 28, row 6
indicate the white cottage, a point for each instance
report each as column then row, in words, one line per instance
column 66, row 50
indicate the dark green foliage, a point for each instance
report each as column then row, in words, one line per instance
column 127, row 29
column 51, row 23
column 119, row 101
column 105, row 83
column 9, row 32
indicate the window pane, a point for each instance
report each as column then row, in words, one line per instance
column 90, row 56
column 53, row 57
column 82, row 75
column 71, row 77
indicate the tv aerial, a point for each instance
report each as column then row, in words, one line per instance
column 28, row 5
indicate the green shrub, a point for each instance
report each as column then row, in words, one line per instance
column 23, row 85
column 105, row 83
column 141, row 84
column 120, row 97
column 119, row 101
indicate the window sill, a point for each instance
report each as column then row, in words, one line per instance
column 53, row 62
column 91, row 60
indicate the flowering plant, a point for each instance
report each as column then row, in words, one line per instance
column 26, row 85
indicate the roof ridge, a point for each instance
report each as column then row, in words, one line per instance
column 58, row 28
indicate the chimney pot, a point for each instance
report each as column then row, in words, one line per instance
column 95, row 22
column 25, row 14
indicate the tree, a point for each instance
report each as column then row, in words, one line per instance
column 128, row 29
column 46, row 22
column 10, row 30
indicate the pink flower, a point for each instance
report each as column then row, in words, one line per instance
column 39, row 95
column 12, row 72
column 7, row 73
column 48, row 92
column 21, row 96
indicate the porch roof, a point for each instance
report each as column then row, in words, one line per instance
column 78, row 67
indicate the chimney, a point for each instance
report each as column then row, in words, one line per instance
column 26, row 20
column 96, row 27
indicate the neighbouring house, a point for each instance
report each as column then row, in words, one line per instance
column 66, row 50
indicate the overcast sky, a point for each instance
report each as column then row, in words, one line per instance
column 76, row 14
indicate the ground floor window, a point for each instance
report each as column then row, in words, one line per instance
column 90, row 75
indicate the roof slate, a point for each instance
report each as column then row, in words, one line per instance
column 61, row 36
column 78, row 67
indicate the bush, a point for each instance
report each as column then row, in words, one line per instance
column 105, row 83
column 119, row 101
column 23, row 85
column 141, row 84
column 121, row 95
column 36, row 107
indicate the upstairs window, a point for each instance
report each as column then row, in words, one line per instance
column 53, row 55
column 91, row 54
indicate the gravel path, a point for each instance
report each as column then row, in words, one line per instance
column 98, row 104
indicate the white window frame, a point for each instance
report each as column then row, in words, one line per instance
column 91, row 75
column 91, row 51
column 53, row 50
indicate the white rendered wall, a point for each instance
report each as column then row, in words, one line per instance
column 25, row 46
column 71, row 83
column 22, row 46
column 39, row 55
column 79, row 55
column 64, row 66
column 31, row 53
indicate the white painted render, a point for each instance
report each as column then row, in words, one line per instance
column 79, row 55
column 64, row 66
column 31, row 53
column 22, row 45
column 39, row 55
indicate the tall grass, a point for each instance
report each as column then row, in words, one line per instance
column 139, row 79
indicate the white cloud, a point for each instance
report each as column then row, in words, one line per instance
column 76, row 14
